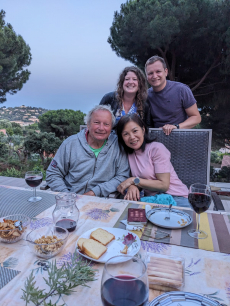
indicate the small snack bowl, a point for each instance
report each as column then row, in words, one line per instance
column 13, row 228
column 47, row 241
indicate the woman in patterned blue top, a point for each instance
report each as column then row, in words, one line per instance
column 130, row 95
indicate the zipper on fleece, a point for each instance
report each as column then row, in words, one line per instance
column 93, row 173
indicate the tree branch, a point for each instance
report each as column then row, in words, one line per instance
column 206, row 74
column 163, row 54
column 208, row 93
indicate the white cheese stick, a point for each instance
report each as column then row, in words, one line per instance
column 176, row 277
column 164, row 281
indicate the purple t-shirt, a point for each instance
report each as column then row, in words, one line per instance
column 168, row 105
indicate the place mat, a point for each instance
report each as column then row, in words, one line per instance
column 6, row 275
column 15, row 201
column 217, row 226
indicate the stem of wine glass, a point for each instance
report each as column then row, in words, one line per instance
column 35, row 192
column 198, row 223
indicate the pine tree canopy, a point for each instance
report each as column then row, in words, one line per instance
column 194, row 39
column 14, row 57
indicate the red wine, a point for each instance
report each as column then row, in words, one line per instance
column 68, row 224
column 124, row 293
column 34, row 181
column 200, row 202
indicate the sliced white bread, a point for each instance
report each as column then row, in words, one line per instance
column 102, row 236
column 93, row 248
column 80, row 242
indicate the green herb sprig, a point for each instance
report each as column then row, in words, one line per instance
column 60, row 281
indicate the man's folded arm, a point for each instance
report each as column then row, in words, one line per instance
column 58, row 169
column 122, row 173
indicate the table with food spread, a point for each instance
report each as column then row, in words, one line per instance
column 198, row 267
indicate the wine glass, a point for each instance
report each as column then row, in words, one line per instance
column 200, row 199
column 34, row 179
column 124, row 282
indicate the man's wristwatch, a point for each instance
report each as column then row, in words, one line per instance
column 136, row 181
column 177, row 126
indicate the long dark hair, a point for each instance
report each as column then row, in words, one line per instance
column 120, row 127
column 141, row 94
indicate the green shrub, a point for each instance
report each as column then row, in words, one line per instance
column 11, row 172
column 224, row 173
column 3, row 149
column 216, row 157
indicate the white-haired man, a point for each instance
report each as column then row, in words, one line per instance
column 91, row 161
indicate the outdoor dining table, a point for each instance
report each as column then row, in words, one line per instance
column 207, row 263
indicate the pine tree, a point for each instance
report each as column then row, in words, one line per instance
column 14, row 57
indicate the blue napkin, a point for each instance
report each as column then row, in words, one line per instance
column 162, row 198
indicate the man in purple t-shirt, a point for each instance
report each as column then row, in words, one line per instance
column 171, row 104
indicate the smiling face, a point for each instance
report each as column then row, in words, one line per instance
column 133, row 135
column 156, row 75
column 100, row 126
column 130, row 84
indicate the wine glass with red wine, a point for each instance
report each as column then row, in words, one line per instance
column 124, row 282
column 200, row 199
column 34, row 179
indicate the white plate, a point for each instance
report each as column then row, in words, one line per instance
column 157, row 217
column 177, row 298
column 115, row 246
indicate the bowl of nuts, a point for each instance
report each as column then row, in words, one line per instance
column 47, row 241
column 13, row 228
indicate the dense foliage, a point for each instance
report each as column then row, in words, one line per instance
column 62, row 122
column 44, row 144
column 14, row 57
column 194, row 39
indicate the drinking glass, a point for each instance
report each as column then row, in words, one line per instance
column 124, row 282
column 200, row 199
column 34, row 179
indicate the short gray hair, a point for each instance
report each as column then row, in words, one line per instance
column 88, row 117
column 154, row 59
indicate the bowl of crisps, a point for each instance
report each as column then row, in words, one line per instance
column 47, row 241
column 13, row 228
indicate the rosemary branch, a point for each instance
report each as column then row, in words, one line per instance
column 60, row 281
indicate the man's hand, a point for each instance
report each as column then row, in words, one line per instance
column 167, row 128
column 133, row 193
column 90, row 193
column 124, row 185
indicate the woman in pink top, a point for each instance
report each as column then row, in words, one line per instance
column 150, row 163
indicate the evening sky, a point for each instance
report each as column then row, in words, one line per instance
column 73, row 65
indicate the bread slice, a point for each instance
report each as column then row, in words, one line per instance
column 102, row 236
column 80, row 242
column 93, row 248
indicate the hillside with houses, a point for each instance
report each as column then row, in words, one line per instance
column 23, row 115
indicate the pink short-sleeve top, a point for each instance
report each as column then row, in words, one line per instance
column 156, row 159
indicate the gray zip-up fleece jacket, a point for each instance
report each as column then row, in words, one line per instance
column 75, row 168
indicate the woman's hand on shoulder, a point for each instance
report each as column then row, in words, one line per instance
column 133, row 193
column 125, row 185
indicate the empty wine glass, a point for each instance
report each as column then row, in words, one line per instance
column 34, row 179
column 200, row 199
column 124, row 282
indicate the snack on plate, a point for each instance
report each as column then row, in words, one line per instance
column 80, row 242
column 48, row 244
column 9, row 231
column 102, row 236
column 125, row 250
column 165, row 274
column 93, row 249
